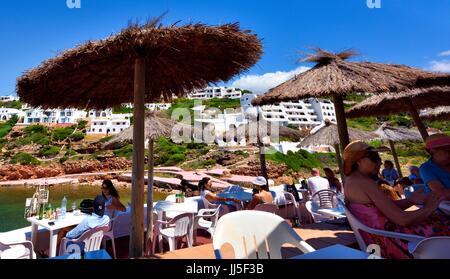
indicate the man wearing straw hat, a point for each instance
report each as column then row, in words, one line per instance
column 436, row 171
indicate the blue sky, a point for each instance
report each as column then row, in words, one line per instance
column 411, row 32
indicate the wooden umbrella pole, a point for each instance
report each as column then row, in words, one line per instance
column 137, row 190
column 150, row 164
column 262, row 156
column 339, row 160
column 394, row 154
column 341, row 121
column 417, row 120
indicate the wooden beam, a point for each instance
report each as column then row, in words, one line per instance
column 150, row 165
column 137, row 190
column 339, row 161
column 417, row 120
column 394, row 154
column 262, row 156
column 341, row 121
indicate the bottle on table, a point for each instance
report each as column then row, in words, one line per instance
column 49, row 211
column 41, row 211
column 63, row 207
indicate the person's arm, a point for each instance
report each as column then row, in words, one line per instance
column 212, row 197
column 78, row 230
column 437, row 187
column 394, row 213
column 118, row 205
column 395, row 175
column 255, row 201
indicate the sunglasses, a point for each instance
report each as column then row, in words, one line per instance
column 104, row 188
column 373, row 156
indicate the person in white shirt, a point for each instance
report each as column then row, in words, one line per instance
column 316, row 182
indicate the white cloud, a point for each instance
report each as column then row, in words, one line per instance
column 440, row 66
column 259, row 84
column 445, row 53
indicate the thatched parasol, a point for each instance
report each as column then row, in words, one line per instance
column 395, row 134
column 439, row 113
column 328, row 135
column 154, row 62
column 410, row 100
column 333, row 75
column 154, row 127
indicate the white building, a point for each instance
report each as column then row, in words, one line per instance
column 216, row 92
column 7, row 113
column 107, row 126
column 53, row 116
column 219, row 124
column 306, row 113
column 8, row 98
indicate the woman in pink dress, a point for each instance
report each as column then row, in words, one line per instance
column 374, row 209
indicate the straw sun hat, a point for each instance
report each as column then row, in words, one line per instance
column 355, row 151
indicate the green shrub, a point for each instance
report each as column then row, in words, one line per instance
column 11, row 104
column 49, row 151
column 199, row 164
column 82, row 124
column 77, row 136
column 6, row 127
column 126, row 151
column 105, row 139
column 24, row 159
column 297, row 160
column 35, row 129
column 61, row 134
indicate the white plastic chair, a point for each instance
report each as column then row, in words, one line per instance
column 179, row 226
column 325, row 198
column 357, row 226
column 17, row 250
column 208, row 205
column 317, row 217
column 437, row 247
column 267, row 207
column 120, row 223
column 291, row 207
column 255, row 234
column 92, row 239
column 206, row 220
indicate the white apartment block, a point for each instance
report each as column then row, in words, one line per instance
column 305, row 113
column 8, row 98
column 216, row 92
column 107, row 126
column 53, row 116
column 7, row 113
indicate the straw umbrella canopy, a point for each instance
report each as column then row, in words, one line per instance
column 439, row 113
column 407, row 101
column 142, row 64
column 154, row 128
column 328, row 135
column 334, row 76
column 395, row 134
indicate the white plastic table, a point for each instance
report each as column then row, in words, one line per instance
column 337, row 251
column 332, row 212
column 70, row 220
column 185, row 207
column 445, row 207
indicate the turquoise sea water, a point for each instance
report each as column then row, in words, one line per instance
column 12, row 201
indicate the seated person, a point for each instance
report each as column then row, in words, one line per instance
column 262, row 195
column 389, row 173
column 415, row 175
column 334, row 182
column 204, row 185
column 112, row 199
column 436, row 171
column 373, row 208
column 316, row 182
column 97, row 219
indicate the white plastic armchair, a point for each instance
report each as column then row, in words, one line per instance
column 255, row 235
column 317, row 218
column 357, row 227
column 206, row 220
column 119, row 226
column 208, row 205
column 291, row 207
column 325, row 198
column 180, row 226
column 92, row 239
column 17, row 250
column 437, row 247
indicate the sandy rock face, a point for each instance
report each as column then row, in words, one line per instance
column 73, row 167
column 17, row 172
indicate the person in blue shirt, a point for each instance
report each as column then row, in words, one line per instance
column 97, row 219
column 436, row 171
column 389, row 173
column 415, row 175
